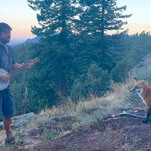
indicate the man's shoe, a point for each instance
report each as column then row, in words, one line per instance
column 10, row 141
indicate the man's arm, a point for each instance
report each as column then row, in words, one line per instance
column 28, row 66
column 17, row 66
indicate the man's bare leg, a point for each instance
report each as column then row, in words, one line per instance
column 7, row 125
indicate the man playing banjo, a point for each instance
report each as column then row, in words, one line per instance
column 7, row 62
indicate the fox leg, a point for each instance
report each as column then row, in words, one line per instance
column 147, row 116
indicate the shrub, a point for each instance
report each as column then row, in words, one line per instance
column 95, row 82
column 121, row 70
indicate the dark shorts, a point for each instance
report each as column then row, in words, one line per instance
column 7, row 103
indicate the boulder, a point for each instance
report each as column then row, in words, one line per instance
column 24, row 119
column 21, row 120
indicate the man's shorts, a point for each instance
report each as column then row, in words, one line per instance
column 7, row 103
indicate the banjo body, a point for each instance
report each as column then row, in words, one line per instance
column 3, row 84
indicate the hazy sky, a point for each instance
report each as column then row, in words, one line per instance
column 21, row 17
column 141, row 18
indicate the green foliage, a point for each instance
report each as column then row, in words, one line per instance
column 140, row 46
column 78, row 90
column 97, row 19
column 95, row 82
column 101, row 16
column 80, row 59
column 67, row 70
column 23, row 53
column 73, row 69
column 55, row 16
column 121, row 70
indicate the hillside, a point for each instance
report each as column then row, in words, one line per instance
column 118, row 133
column 76, row 92
column 90, row 125
column 113, row 133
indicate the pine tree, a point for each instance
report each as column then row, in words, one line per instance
column 101, row 16
column 55, row 16
column 98, row 18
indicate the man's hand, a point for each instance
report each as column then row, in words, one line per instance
column 5, row 76
column 30, row 64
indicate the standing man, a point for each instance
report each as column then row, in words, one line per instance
column 7, row 62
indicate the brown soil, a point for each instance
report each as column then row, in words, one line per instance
column 118, row 133
column 113, row 134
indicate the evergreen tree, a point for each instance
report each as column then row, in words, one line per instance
column 69, row 53
column 100, row 16
column 55, row 16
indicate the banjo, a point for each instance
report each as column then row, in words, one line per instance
column 4, row 84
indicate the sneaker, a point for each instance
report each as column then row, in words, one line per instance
column 10, row 141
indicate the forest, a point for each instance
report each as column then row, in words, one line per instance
column 78, row 55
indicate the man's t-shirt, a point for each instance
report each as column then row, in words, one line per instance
column 6, row 58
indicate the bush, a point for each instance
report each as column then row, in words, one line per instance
column 78, row 89
column 95, row 82
column 121, row 70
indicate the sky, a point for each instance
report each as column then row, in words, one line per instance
column 21, row 17
column 141, row 15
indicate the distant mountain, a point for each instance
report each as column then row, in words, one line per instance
column 33, row 40
column 15, row 42
column 36, row 39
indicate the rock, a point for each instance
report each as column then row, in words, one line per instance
column 24, row 119
column 21, row 120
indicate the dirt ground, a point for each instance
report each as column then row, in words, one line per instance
column 113, row 134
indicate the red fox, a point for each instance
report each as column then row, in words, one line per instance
column 144, row 91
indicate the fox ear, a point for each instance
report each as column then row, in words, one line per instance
column 135, row 79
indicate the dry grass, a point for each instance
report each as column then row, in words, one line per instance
column 85, row 112
column 91, row 110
